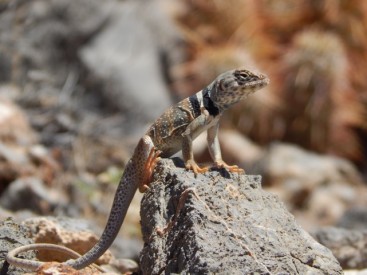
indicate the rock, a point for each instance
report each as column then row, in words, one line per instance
column 239, row 149
column 14, row 162
column 66, row 232
column 223, row 223
column 8, row 173
column 286, row 160
column 49, row 33
column 236, row 148
column 20, row 155
column 355, row 272
column 47, row 37
column 127, row 64
column 62, row 231
column 310, row 183
column 122, row 266
column 4, row 214
column 348, row 246
column 13, row 235
column 128, row 247
column 354, row 218
column 31, row 193
column 54, row 268
column 14, row 126
column 13, row 154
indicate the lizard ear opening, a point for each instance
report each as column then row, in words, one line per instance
column 221, row 85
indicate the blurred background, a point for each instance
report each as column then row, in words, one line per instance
column 81, row 80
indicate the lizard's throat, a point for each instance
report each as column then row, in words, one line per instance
column 225, row 102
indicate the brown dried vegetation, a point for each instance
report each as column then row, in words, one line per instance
column 315, row 53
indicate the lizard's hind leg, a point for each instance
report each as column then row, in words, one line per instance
column 149, row 166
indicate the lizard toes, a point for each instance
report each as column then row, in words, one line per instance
column 191, row 165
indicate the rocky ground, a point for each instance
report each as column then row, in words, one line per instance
column 221, row 223
column 78, row 87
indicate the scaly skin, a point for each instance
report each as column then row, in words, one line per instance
column 173, row 131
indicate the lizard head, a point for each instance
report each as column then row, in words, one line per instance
column 232, row 86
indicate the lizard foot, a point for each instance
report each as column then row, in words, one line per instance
column 150, row 164
column 231, row 168
column 192, row 165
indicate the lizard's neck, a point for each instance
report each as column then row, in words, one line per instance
column 202, row 101
column 209, row 104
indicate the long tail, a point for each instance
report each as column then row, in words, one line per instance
column 130, row 180
column 135, row 174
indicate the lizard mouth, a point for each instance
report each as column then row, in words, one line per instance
column 249, row 80
column 263, row 82
column 255, row 84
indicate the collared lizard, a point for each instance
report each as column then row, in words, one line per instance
column 173, row 131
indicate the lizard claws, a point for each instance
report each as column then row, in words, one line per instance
column 192, row 165
column 231, row 168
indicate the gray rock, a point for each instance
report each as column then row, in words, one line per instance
column 309, row 183
column 354, row 218
column 35, row 224
column 31, row 193
column 127, row 248
column 355, row 272
column 53, row 29
column 348, row 246
column 126, row 58
column 225, row 224
column 76, row 232
column 111, row 56
column 288, row 162
column 13, row 235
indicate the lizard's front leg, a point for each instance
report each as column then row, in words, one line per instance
column 187, row 152
column 215, row 152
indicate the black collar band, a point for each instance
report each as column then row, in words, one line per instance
column 195, row 105
column 209, row 104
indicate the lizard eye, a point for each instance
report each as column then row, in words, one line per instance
column 243, row 75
